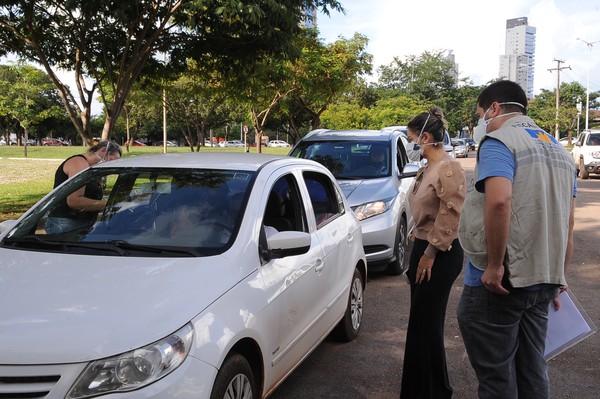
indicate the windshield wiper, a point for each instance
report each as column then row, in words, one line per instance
column 153, row 249
column 41, row 243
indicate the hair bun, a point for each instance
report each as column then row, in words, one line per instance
column 438, row 113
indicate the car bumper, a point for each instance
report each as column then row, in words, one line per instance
column 379, row 236
column 193, row 379
column 592, row 167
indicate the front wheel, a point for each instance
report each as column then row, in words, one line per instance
column 582, row 172
column 396, row 267
column 235, row 380
column 349, row 327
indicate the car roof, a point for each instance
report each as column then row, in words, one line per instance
column 353, row 135
column 200, row 160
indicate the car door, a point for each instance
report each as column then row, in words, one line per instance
column 336, row 234
column 291, row 283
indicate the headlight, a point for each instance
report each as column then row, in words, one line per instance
column 371, row 209
column 596, row 154
column 134, row 369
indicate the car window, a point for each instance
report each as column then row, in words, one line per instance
column 349, row 159
column 284, row 210
column 593, row 139
column 148, row 213
column 326, row 200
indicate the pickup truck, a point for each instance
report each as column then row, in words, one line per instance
column 586, row 153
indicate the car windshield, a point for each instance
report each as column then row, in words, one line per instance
column 148, row 212
column 593, row 139
column 349, row 159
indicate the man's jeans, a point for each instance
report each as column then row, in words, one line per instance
column 505, row 339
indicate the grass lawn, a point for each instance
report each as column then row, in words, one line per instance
column 23, row 181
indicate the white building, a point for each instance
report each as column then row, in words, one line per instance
column 517, row 63
column 310, row 18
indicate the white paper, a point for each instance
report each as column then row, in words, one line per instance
column 566, row 326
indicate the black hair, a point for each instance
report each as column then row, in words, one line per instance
column 504, row 91
column 432, row 122
column 111, row 147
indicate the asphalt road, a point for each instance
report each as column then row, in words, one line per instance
column 371, row 366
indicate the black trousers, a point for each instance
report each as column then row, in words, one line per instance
column 424, row 374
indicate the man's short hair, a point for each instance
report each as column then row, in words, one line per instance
column 503, row 91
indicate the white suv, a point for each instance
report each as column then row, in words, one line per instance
column 586, row 153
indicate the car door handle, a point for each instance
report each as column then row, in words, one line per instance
column 350, row 238
column 319, row 265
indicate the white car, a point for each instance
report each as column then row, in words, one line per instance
column 211, row 276
column 461, row 148
column 231, row 143
column 278, row 143
column 586, row 153
column 377, row 190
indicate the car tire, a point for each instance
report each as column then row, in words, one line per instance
column 582, row 172
column 396, row 267
column 234, row 380
column 348, row 328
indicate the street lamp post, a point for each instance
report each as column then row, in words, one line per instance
column 587, row 92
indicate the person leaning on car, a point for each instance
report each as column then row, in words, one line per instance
column 80, row 208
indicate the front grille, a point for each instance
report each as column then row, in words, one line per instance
column 21, row 387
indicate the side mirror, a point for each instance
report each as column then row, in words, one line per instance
column 288, row 243
column 410, row 170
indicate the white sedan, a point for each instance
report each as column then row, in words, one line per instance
column 278, row 143
column 210, row 276
column 231, row 143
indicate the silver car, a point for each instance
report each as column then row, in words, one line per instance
column 374, row 173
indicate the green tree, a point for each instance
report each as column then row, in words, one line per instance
column 324, row 72
column 346, row 116
column 28, row 97
column 396, row 111
column 112, row 42
column 543, row 108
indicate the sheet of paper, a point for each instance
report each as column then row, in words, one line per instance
column 566, row 326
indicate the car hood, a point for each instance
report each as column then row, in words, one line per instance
column 358, row 192
column 60, row 308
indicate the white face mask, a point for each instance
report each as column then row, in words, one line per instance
column 481, row 129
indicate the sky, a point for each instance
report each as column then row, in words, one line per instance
column 475, row 31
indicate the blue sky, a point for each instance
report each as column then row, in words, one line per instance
column 475, row 32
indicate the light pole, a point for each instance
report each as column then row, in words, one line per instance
column 587, row 91
column 578, row 114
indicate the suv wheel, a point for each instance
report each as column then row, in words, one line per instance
column 396, row 267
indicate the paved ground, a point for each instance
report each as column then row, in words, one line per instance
column 371, row 366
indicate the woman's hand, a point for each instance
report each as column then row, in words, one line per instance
column 424, row 269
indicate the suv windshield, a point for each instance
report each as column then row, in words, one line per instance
column 349, row 159
column 593, row 139
column 148, row 212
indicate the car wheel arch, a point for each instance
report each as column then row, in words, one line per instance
column 250, row 350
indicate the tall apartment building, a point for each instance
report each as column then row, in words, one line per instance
column 517, row 63
column 310, row 18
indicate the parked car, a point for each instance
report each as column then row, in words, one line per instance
column 180, row 287
column 470, row 142
column 48, row 141
column 169, row 143
column 231, row 143
column 2, row 142
column 461, row 149
column 137, row 143
column 586, row 153
column 377, row 193
column 278, row 143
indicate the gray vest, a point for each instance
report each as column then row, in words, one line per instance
column 541, row 205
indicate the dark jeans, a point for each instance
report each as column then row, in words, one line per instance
column 424, row 374
column 505, row 339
